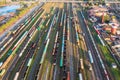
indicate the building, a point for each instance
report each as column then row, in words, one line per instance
column 97, row 11
column 113, row 29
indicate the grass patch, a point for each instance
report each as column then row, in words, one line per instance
column 31, row 24
column 105, row 52
column 16, row 18
column 108, row 58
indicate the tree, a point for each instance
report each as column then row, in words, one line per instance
column 113, row 17
column 106, row 18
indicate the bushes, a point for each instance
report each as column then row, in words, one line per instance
column 14, row 19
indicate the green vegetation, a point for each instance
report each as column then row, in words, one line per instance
column 3, row 2
column 27, row 28
column 108, row 59
column 42, row 27
column 106, row 18
column 16, row 18
column 106, row 54
column 48, row 58
column 22, row 57
column 113, row 17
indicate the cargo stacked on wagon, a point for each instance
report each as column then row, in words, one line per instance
column 14, row 51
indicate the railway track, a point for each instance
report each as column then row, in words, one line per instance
column 56, row 46
column 18, row 52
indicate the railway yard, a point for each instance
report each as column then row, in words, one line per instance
column 53, row 43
